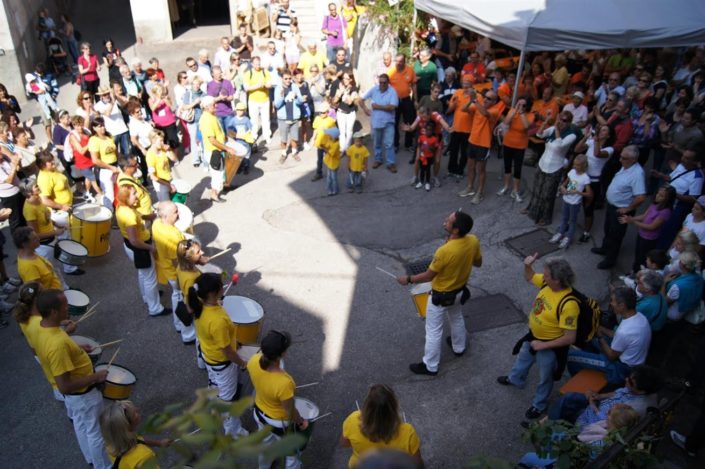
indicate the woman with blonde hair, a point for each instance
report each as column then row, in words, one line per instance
column 159, row 155
column 164, row 118
column 189, row 255
column 378, row 425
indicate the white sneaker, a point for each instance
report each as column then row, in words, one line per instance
column 564, row 243
column 468, row 191
column 517, row 198
column 90, row 199
column 436, row 182
column 556, row 237
column 477, row 198
column 418, row 185
column 414, row 180
column 307, row 147
column 427, row 187
column 503, row 191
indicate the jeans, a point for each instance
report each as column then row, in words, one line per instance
column 384, row 139
column 224, row 121
column 259, row 114
column 405, row 113
column 48, row 104
column 614, row 234
column 346, row 121
column 332, row 181
column 568, row 407
column 569, row 219
column 196, row 148
column 615, row 371
column 546, row 361
column 434, row 331
column 355, row 180
column 122, row 141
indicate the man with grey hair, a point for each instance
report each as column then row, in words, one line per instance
column 426, row 72
column 222, row 55
column 130, row 85
column 551, row 332
column 652, row 304
column 621, row 349
column 215, row 150
column 624, row 194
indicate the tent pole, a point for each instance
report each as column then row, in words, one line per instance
column 413, row 34
column 520, row 70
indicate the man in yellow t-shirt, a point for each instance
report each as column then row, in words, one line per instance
column 31, row 266
column 257, row 83
column 166, row 238
column 312, row 57
column 322, row 122
column 70, row 371
column 550, row 330
column 448, row 273
column 214, row 141
column 358, row 155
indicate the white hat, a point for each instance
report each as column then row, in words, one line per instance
column 579, row 94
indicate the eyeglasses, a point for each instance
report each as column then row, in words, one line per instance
column 193, row 65
column 86, row 98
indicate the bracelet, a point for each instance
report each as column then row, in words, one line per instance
column 408, row 279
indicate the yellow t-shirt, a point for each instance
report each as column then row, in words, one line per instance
column 453, row 262
column 406, row 439
column 358, row 157
column 55, row 186
column 40, row 270
column 210, row 127
column 39, row 213
column 166, row 238
column 543, row 320
column 158, row 164
column 145, row 200
column 319, row 125
column 351, row 14
column 135, row 457
column 58, row 354
column 259, row 79
column 128, row 216
column 186, row 279
column 30, row 329
column 332, row 156
column 105, row 147
column 271, row 388
column 215, row 331
column 306, row 61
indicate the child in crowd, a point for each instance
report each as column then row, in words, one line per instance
column 575, row 186
column 357, row 163
column 656, row 260
column 331, row 148
column 426, row 151
column 322, row 122
column 242, row 126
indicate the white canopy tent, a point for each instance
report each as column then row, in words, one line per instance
column 546, row 25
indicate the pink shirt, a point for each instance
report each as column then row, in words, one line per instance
column 163, row 115
column 91, row 65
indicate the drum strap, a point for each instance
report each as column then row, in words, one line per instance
column 88, row 389
column 220, row 366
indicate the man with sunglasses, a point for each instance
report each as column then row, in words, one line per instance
column 384, row 105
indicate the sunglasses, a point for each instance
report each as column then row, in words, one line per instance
column 86, row 98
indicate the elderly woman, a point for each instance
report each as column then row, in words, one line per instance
column 559, row 140
column 164, row 119
column 192, row 101
column 652, row 303
column 684, row 290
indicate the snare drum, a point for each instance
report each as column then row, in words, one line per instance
column 419, row 294
column 247, row 351
column 95, row 353
column 309, row 411
column 78, row 302
column 90, row 226
column 182, row 190
column 70, row 252
column 120, row 382
column 242, row 148
column 247, row 315
column 185, row 220
column 60, row 218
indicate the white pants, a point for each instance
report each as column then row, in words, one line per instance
column 292, row 462
column 163, row 193
column 107, row 179
column 84, row 410
column 47, row 252
column 225, row 379
column 149, row 289
column 259, row 114
column 217, row 178
column 346, row 122
column 434, row 331
column 188, row 333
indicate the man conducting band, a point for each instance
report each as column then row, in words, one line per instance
column 448, row 273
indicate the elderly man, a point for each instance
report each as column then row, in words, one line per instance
column 130, row 85
column 193, row 70
column 612, row 85
column 679, row 137
column 578, row 109
column 403, row 79
column 448, row 273
column 551, row 332
column 426, row 72
column 652, row 304
column 384, row 66
column 214, row 144
column 384, row 105
column 334, row 28
column 204, row 60
column 166, row 237
column 311, row 57
column 619, row 350
column 222, row 55
column 624, row 194
column 223, row 92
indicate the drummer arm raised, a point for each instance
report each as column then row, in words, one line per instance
column 135, row 240
column 68, row 385
column 233, row 356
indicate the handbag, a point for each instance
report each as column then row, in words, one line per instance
column 182, row 313
column 216, row 160
column 187, row 115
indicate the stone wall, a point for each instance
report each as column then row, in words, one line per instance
column 374, row 41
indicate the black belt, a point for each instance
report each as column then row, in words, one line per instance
column 88, row 389
column 276, row 430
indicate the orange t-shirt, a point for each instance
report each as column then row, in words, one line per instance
column 541, row 107
column 482, row 126
column 402, row 81
column 517, row 136
column 462, row 121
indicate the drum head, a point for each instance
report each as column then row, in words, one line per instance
column 420, row 288
column 92, row 213
column 72, row 247
column 60, row 218
column 182, row 187
column 242, row 310
column 82, row 340
column 76, row 298
column 185, row 217
column 118, row 374
column 210, row 269
column 247, row 351
column 306, row 408
column 241, row 149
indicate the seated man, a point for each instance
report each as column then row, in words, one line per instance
column 628, row 346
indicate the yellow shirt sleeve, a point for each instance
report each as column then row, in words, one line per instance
column 537, row 280
column 439, row 261
column 59, row 358
column 94, row 145
column 568, row 316
column 219, row 330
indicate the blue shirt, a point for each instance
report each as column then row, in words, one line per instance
column 626, row 185
column 381, row 118
column 655, row 309
column 288, row 106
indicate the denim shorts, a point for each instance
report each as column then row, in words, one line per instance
column 89, row 174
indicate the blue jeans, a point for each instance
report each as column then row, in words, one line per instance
column 546, row 361
column 384, row 138
column 224, row 121
column 569, row 219
column 615, row 371
column 355, row 180
column 332, row 181
column 568, row 407
column 319, row 161
column 122, row 141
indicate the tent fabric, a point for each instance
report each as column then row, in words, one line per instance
column 547, row 25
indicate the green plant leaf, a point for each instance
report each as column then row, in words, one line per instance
column 284, row 447
column 239, row 407
column 198, row 438
column 207, row 422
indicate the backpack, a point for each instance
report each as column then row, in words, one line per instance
column 588, row 316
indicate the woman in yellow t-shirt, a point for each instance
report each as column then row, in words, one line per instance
column 118, row 425
column 104, row 156
column 54, row 185
column 217, row 338
column 274, row 390
column 30, row 265
column 188, row 255
column 378, row 425
column 158, row 157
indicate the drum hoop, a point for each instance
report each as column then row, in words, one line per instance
column 309, row 401
column 101, row 208
column 72, row 241
column 80, row 293
column 105, row 366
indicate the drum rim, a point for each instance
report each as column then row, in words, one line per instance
column 80, row 209
column 178, row 181
column 119, row 366
column 309, row 401
column 80, row 292
column 72, row 241
column 92, row 352
column 250, row 299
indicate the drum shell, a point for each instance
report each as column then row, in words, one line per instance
column 116, row 391
column 247, row 333
column 94, row 235
column 76, row 310
column 419, row 295
column 309, row 429
column 66, row 257
column 60, row 218
column 180, row 197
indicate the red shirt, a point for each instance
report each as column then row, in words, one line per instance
column 428, row 147
column 435, row 117
column 91, row 65
column 476, row 70
column 83, row 160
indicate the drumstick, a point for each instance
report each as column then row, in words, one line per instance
column 307, row 385
column 357, row 405
column 320, row 417
column 189, row 434
column 385, row 272
column 90, row 312
column 233, row 281
column 108, row 344
column 220, row 253
column 112, row 359
column 403, row 414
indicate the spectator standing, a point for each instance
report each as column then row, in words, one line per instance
column 222, row 55
column 243, row 43
column 257, row 83
column 287, row 101
column 312, row 57
column 88, row 68
column 321, row 123
column 574, row 189
column 334, row 28
column 515, row 141
column 462, row 124
column 384, row 105
column 344, row 94
column 403, row 79
column 283, row 17
column 109, row 110
column 426, row 73
column 223, row 92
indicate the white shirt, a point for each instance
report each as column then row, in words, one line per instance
column 179, row 92
column 580, row 113
column 222, row 59
column 553, row 158
column 696, row 227
column 626, row 185
column 575, row 182
column 114, row 123
column 201, row 72
column 632, row 338
column 595, row 164
column 140, row 130
column 686, row 183
column 7, row 190
column 272, row 62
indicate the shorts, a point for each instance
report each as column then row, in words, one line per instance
column 288, row 131
column 89, row 174
column 478, row 153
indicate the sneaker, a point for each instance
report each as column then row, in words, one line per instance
column 414, row 180
column 418, row 185
column 584, row 238
column 307, row 147
column 392, row 168
column 503, row 191
column 477, row 198
column 76, row 272
column 8, row 288
column 679, row 440
column 427, row 187
column 468, row 191
column 14, row 281
column 165, row 312
column 555, row 238
column 517, row 198
column 89, row 198
column 533, row 413
column 436, row 182
column 420, row 369
column 565, row 242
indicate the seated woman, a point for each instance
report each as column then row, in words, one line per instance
column 378, row 425
column 652, row 304
column 686, row 241
column 30, row 265
column 684, row 290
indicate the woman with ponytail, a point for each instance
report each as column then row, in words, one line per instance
column 188, row 255
column 274, row 391
column 216, row 335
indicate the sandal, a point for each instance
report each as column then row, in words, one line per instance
column 282, row 159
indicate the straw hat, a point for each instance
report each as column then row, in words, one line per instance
column 102, row 90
